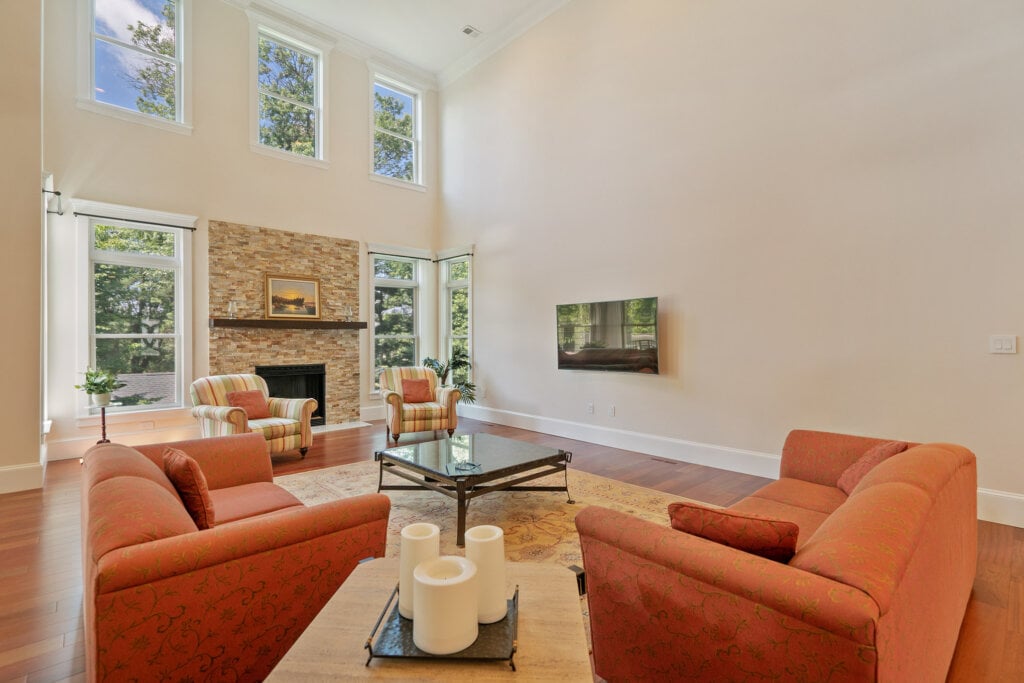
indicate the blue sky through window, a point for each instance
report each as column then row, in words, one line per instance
column 384, row 91
column 113, row 63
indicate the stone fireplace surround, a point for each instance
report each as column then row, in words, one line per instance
column 239, row 258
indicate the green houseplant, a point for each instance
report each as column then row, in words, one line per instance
column 99, row 384
column 458, row 366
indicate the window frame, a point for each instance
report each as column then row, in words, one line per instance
column 303, row 40
column 131, row 217
column 378, row 77
column 86, row 95
column 448, row 287
column 413, row 284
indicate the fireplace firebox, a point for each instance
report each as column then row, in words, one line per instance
column 298, row 381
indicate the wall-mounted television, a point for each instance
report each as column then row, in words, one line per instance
column 616, row 336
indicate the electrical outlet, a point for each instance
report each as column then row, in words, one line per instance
column 611, row 411
column 590, row 407
column 1002, row 343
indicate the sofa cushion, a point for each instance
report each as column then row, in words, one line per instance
column 253, row 402
column 190, row 482
column 802, row 494
column 125, row 511
column 249, row 500
column 806, row 520
column 416, row 390
column 852, row 475
column 774, row 539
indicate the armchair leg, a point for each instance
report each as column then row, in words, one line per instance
column 451, row 432
column 395, row 436
column 303, row 451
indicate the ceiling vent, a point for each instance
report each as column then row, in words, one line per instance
column 471, row 31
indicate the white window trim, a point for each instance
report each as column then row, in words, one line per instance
column 378, row 74
column 86, row 73
column 183, row 299
column 444, row 305
column 304, row 39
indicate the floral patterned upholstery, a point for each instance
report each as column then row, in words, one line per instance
column 876, row 591
column 167, row 602
column 417, row 417
column 289, row 426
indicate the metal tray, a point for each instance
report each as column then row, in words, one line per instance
column 392, row 637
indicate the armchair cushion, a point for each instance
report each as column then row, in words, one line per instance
column 190, row 483
column 770, row 538
column 416, row 391
column 253, row 402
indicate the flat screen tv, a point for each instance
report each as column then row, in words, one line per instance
column 615, row 336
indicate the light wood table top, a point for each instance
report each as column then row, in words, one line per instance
column 552, row 644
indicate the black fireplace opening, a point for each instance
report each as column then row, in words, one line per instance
column 298, row 381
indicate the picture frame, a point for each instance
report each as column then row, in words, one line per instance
column 292, row 297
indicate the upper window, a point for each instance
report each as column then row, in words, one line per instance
column 137, row 56
column 396, row 131
column 139, row 310
column 289, row 94
column 395, row 289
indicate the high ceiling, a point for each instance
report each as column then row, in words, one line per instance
column 426, row 33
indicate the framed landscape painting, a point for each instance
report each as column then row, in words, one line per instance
column 293, row 297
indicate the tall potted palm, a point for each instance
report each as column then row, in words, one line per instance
column 457, row 366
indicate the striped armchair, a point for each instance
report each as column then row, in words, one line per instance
column 417, row 417
column 287, row 428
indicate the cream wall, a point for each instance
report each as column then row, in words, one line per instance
column 21, row 173
column 826, row 198
column 214, row 175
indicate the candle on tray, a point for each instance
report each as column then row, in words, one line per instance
column 445, row 604
column 485, row 546
column 421, row 541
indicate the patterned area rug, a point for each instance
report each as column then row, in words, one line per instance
column 538, row 525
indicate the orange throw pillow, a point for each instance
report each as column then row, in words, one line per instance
column 852, row 475
column 253, row 402
column 416, row 391
column 771, row 538
column 190, row 483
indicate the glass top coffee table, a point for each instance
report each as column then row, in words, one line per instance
column 468, row 466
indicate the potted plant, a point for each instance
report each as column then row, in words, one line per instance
column 456, row 366
column 99, row 384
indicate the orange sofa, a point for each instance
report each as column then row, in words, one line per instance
column 167, row 601
column 876, row 590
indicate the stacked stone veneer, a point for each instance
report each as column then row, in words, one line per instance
column 240, row 257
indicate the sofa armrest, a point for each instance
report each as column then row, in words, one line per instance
column 225, row 460
column 666, row 603
column 300, row 409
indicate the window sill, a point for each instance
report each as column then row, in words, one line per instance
column 128, row 414
column 395, row 182
column 288, row 156
column 134, row 117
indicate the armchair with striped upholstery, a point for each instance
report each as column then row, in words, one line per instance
column 404, row 416
column 288, row 427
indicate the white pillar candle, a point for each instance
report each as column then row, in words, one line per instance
column 420, row 542
column 445, row 604
column 485, row 546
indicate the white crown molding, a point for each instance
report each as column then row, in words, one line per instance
column 491, row 43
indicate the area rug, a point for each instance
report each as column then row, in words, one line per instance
column 538, row 525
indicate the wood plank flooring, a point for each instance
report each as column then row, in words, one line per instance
column 41, row 636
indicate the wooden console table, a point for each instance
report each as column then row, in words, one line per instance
column 552, row 644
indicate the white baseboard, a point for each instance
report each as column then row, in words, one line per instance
column 374, row 412
column 1000, row 507
column 66, row 449
column 21, row 477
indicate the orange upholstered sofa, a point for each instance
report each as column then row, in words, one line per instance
column 876, row 590
column 165, row 600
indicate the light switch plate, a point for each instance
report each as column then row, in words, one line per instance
column 1002, row 343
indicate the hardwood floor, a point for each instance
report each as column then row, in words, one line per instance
column 40, row 555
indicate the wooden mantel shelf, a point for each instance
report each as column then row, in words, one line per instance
column 287, row 324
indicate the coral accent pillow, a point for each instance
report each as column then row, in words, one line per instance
column 190, row 483
column 852, row 475
column 771, row 538
column 416, row 391
column 253, row 402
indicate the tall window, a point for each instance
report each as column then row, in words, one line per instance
column 137, row 56
column 290, row 97
column 395, row 289
column 396, row 131
column 456, row 309
column 139, row 310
